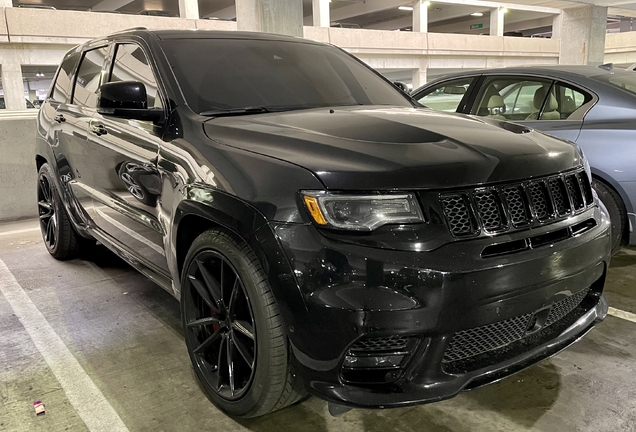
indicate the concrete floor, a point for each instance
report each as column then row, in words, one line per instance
column 125, row 334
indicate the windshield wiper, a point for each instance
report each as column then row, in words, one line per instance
column 234, row 112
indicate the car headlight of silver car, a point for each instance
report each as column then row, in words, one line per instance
column 361, row 212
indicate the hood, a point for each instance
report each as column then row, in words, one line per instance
column 382, row 148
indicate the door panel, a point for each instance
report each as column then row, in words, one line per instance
column 127, row 184
column 74, row 159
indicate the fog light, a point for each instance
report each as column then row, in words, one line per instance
column 371, row 362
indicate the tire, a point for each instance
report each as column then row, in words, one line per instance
column 617, row 213
column 59, row 236
column 225, row 299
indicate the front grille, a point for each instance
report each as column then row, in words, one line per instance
column 377, row 360
column 480, row 340
column 389, row 343
column 489, row 210
column 564, row 307
column 517, row 206
column 514, row 206
column 456, row 210
column 471, row 342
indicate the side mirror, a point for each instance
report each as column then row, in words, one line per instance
column 402, row 86
column 128, row 100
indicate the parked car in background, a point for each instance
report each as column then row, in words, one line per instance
column 594, row 107
column 324, row 234
column 26, row 102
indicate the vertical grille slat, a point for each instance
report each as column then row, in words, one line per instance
column 535, row 202
column 584, row 181
column 574, row 190
column 517, row 206
column 540, row 200
column 559, row 195
column 490, row 211
column 457, row 211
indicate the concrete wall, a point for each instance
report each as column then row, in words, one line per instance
column 620, row 47
column 18, row 177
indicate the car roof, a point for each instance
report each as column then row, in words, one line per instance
column 566, row 72
column 208, row 34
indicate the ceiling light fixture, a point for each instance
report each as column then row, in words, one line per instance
column 405, row 8
column 476, row 14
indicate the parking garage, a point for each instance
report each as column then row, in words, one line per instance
column 430, row 229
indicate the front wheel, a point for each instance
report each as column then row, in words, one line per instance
column 616, row 210
column 233, row 329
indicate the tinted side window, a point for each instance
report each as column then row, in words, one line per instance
column 131, row 64
column 569, row 99
column 88, row 76
column 446, row 96
column 62, row 85
column 513, row 98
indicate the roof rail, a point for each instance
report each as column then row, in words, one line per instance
column 607, row 66
column 130, row 29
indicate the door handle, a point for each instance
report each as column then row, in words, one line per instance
column 98, row 129
column 59, row 118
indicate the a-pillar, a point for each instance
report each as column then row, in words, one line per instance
column 320, row 13
column 497, row 21
column 419, row 77
column 420, row 16
column 189, row 9
column 270, row 16
column 12, row 83
column 582, row 33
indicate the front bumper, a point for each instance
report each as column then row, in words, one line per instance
column 354, row 293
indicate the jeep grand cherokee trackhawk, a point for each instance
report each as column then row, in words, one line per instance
column 323, row 232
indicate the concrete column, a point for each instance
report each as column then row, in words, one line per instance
column 497, row 21
column 6, row 3
column 270, row 16
column 320, row 13
column 557, row 26
column 12, row 83
column 189, row 9
column 583, row 35
column 419, row 77
column 625, row 25
column 420, row 16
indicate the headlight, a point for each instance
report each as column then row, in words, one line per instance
column 361, row 212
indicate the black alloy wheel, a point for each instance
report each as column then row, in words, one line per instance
column 233, row 329
column 220, row 325
column 46, row 210
column 60, row 238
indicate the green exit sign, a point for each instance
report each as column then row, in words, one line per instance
column 476, row 26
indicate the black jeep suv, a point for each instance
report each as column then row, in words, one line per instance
column 323, row 232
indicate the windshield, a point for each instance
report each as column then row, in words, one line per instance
column 225, row 74
column 626, row 81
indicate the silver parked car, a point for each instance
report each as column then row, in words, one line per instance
column 592, row 106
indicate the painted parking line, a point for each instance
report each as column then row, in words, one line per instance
column 20, row 231
column 622, row 314
column 91, row 405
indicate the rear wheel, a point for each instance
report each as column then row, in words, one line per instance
column 59, row 237
column 233, row 330
column 616, row 210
